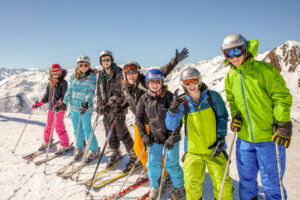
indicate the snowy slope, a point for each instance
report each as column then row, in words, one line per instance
column 19, row 180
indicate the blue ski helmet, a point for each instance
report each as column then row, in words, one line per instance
column 154, row 74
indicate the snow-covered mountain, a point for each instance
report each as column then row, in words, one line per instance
column 32, row 83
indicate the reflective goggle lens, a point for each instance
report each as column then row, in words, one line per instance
column 237, row 52
column 194, row 81
column 127, row 68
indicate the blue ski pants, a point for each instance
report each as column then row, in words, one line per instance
column 154, row 165
column 84, row 129
column 250, row 158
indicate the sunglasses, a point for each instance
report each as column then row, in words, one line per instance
column 188, row 82
column 237, row 52
column 55, row 74
column 105, row 60
column 127, row 68
column 85, row 65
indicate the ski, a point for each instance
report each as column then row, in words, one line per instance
column 98, row 176
column 71, row 148
column 35, row 154
column 114, row 178
column 126, row 190
column 64, row 168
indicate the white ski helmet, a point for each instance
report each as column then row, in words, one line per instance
column 84, row 58
column 189, row 73
column 106, row 53
column 234, row 40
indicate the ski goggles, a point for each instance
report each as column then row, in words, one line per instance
column 237, row 52
column 127, row 68
column 187, row 82
column 105, row 60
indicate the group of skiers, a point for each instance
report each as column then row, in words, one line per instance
column 260, row 109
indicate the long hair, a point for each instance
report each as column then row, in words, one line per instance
column 54, row 81
column 78, row 73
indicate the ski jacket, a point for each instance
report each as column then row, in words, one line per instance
column 134, row 92
column 81, row 91
column 155, row 109
column 110, row 93
column 257, row 90
column 53, row 95
column 203, row 126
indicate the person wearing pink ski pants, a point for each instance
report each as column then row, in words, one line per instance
column 59, row 126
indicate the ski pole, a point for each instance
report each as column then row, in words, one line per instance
column 279, row 171
column 130, row 173
column 101, row 155
column 50, row 138
column 227, row 165
column 86, row 150
column 162, row 174
column 77, row 133
column 22, row 131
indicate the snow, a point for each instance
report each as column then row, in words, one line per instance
column 21, row 180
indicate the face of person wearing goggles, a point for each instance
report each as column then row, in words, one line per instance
column 131, row 73
column 106, row 62
column 83, row 67
column 191, row 84
column 155, row 85
column 236, row 56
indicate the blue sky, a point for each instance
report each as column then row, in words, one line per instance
column 40, row 33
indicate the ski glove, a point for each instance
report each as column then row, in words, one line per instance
column 60, row 107
column 100, row 109
column 37, row 104
column 283, row 133
column 84, row 107
column 176, row 103
column 147, row 141
column 172, row 140
column 182, row 55
column 218, row 146
column 236, row 123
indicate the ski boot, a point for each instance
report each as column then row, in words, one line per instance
column 116, row 155
column 61, row 150
column 92, row 155
column 153, row 193
column 142, row 177
column 78, row 153
column 132, row 160
column 177, row 194
column 167, row 183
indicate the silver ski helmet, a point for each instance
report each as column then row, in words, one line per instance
column 234, row 40
column 84, row 58
column 189, row 73
column 106, row 53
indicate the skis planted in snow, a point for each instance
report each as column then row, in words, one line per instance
column 126, row 190
column 114, row 178
column 71, row 148
column 98, row 176
column 35, row 154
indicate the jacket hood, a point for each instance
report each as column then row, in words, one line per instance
column 252, row 48
column 64, row 74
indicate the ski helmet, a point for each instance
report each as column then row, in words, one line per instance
column 84, row 58
column 154, row 74
column 189, row 73
column 55, row 68
column 234, row 40
column 131, row 66
column 106, row 53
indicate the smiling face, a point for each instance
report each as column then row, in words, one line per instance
column 155, row 85
column 132, row 77
column 237, row 61
column 83, row 67
column 106, row 61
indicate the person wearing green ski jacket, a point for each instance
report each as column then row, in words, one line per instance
column 260, row 109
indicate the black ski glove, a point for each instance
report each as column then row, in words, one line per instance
column 176, row 103
column 147, row 141
column 282, row 133
column 182, row 55
column 60, row 107
column 236, row 123
column 172, row 140
column 84, row 107
column 218, row 145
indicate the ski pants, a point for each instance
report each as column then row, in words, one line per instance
column 250, row 158
column 120, row 133
column 59, row 126
column 138, row 146
column 85, row 129
column 154, row 165
column 194, row 168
